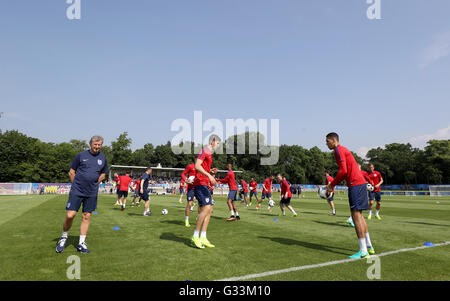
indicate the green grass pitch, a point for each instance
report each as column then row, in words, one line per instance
column 158, row 248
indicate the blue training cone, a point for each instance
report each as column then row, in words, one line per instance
column 276, row 220
column 429, row 244
column 95, row 213
column 116, row 228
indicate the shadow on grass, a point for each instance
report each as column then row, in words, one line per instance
column 174, row 222
column 336, row 224
column 307, row 212
column 135, row 214
column 428, row 224
column 180, row 239
column 309, row 245
column 71, row 241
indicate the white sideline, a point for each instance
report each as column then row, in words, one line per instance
column 312, row 266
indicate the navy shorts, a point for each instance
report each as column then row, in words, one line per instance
column 123, row 193
column 253, row 193
column 136, row 193
column 75, row 201
column 375, row 195
column 181, row 190
column 285, row 201
column 357, row 197
column 203, row 195
column 145, row 196
column 245, row 194
column 117, row 190
column 232, row 195
column 268, row 195
column 190, row 195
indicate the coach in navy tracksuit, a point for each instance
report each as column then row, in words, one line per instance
column 87, row 170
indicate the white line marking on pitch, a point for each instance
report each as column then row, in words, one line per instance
column 313, row 266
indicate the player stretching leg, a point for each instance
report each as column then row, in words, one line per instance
column 203, row 180
column 377, row 180
column 357, row 192
column 286, row 196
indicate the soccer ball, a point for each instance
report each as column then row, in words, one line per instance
column 191, row 179
column 370, row 187
column 164, row 212
column 323, row 193
column 271, row 203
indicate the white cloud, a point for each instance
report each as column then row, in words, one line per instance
column 439, row 48
column 362, row 151
column 421, row 141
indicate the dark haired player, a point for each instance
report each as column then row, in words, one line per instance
column 145, row 181
column 125, row 184
column 231, row 181
column 377, row 181
column 253, row 191
column 357, row 192
column 267, row 191
column 286, row 196
column 188, row 172
column 328, row 180
column 244, row 191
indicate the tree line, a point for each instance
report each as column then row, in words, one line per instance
column 27, row 159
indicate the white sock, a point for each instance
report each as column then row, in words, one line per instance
column 293, row 211
column 187, row 218
column 334, row 211
column 350, row 219
column 203, row 234
column 370, row 212
column 82, row 239
column 378, row 211
column 196, row 233
column 232, row 212
column 237, row 213
column 362, row 245
column 65, row 234
column 368, row 242
column 284, row 212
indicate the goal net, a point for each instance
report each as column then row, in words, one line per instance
column 439, row 190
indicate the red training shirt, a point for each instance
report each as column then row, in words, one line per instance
column 230, row 180
column 348, row 168
column 376, row 178
column 188, row 172
column 124, row 182
column 200, row 179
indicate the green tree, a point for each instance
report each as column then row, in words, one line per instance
column 121, row 151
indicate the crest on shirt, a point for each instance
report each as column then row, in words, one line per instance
column 99, row 162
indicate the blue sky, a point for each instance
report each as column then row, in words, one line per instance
column 317, row 66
